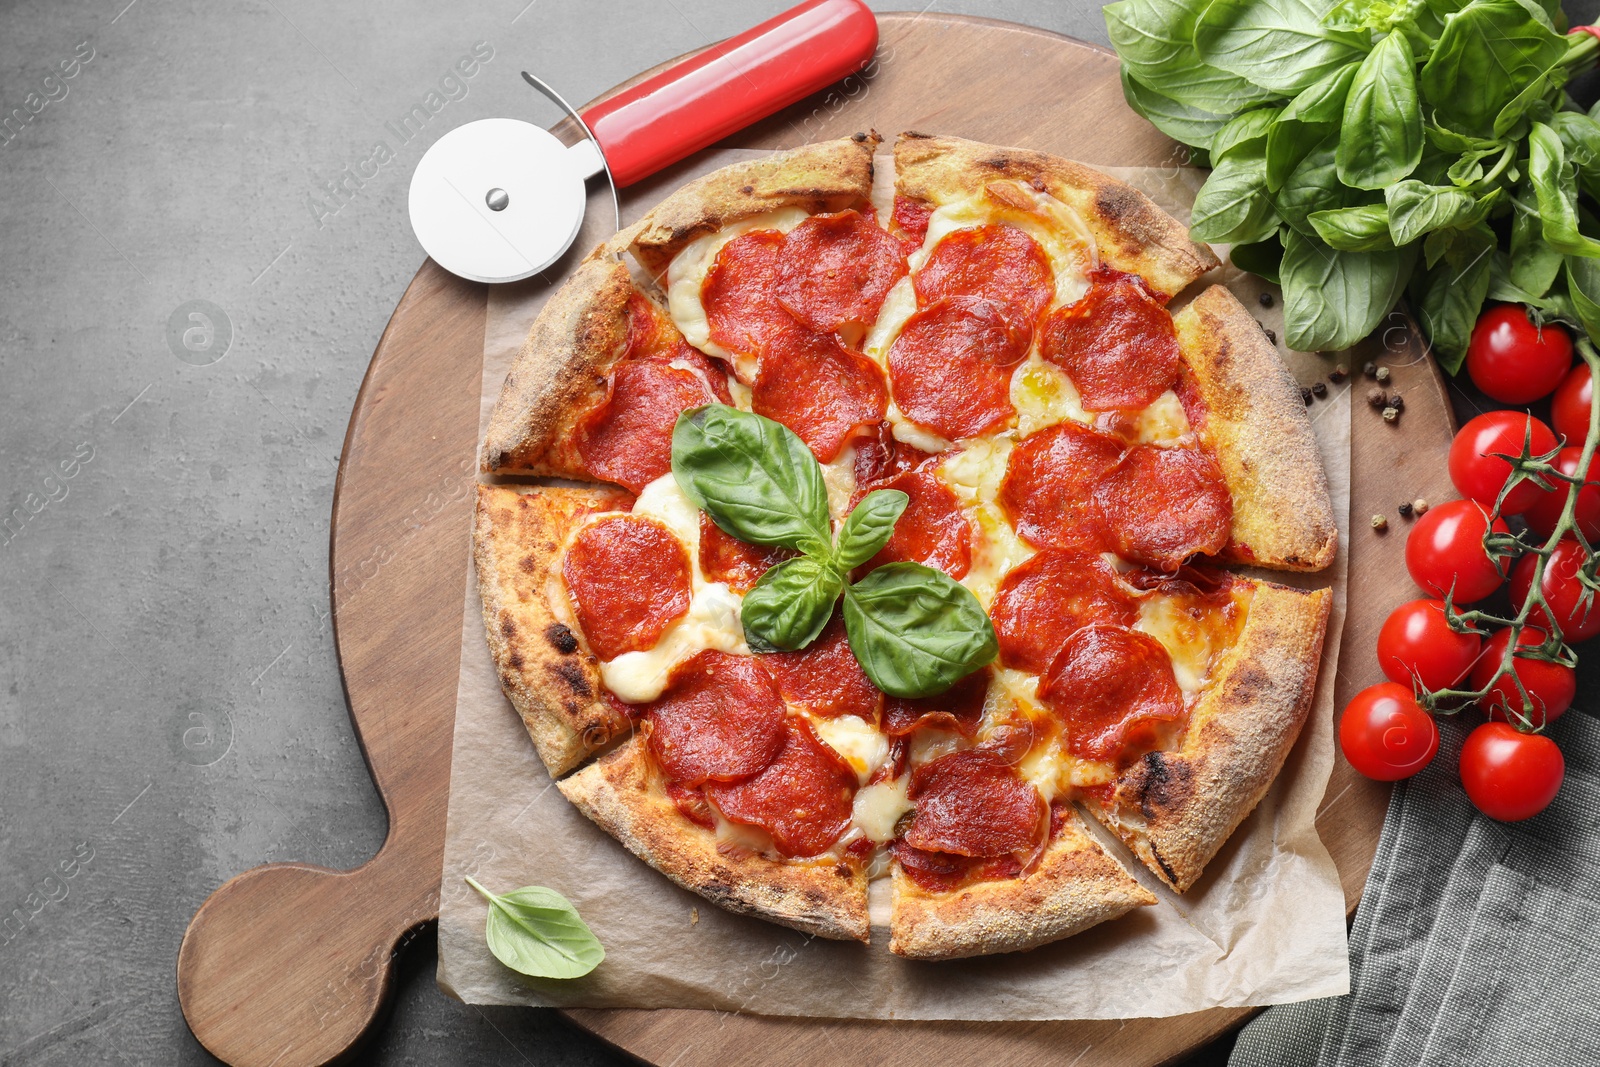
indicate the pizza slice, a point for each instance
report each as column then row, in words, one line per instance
column 997, row 345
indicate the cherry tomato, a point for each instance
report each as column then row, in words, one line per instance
column 1475, row 467
column 1513, row 360
column 1417, row 647
column 1550, row 686
column 1385, row 734
column 1445, row 549
column 1569, row 408
column 1510, row 775
column 1547, row 509
column 1578, row 618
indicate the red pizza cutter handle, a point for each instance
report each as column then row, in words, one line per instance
column 730, row 85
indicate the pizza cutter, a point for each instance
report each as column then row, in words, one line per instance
column 498, row 200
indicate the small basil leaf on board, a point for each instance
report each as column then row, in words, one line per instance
column 1259, row 258
column 1313, row 185
column 1246, row 131
column 1354, row 229
column 1191, row 125
column 1556, row 191
column 1415, row 208
column 1489, row 51
column 1281, row 45
column 537, row 932
column 868, row 527
column 915, row 630
column 790, row 605
column 1534, row 263
column 1381, row 140
column 1447, row 300
column 755, row 478
column 1234, row 205
column 1333, row 299
column 1155, row 40
column 1583, row 289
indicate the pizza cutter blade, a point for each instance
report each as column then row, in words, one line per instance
column 498, row 200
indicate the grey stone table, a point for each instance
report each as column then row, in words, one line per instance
column 203, row 213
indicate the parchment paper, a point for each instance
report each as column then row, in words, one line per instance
column 1265, row 925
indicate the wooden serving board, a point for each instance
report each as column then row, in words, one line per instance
column 289, row 964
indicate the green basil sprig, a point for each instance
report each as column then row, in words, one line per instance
column 537, row 932
column 914, row 629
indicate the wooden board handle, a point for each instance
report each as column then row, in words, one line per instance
column 288, row 964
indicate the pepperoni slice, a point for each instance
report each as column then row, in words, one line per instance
column 739, row 293
column 996, row 262
column 837, row 269
column 651, row 332
column 936, row 872
column 693, row 804
column 1162, row 505
column 972, row 803
column 628, row 438
column 1040, row 603
column 725, row 558
column 951, row 366
column 1112, row 687
column 932, row 530
column 910, row 217
column 880, row 457
column 1116, row 344
column 960, row 709
column 819, row 389
column 802, row 798
column 824, row 678
column 629, row 578
column 720, row 719
column 1048, row 491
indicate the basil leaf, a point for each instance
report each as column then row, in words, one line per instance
column 1280, row 45
column 1190, row 125
column 1260, row 258
column 1354, row 229
column 1489, row 51
column 1580, row 140
column 1583, row 289
column 1233, row 205
column 537, row 932
column 1520, row 106
column 790, row 605
column 1246, row 131
column 1556, row 190
column 1534, row 264
column 1415, row 208
column 1447, row 301
column 1313, row 185
column 915, row 631
column 1381, row 140
column 1155, row 40
column 1288, row 143
column 1333, row 299
column 1323, row 100
column 755, row 478
column 868, row 527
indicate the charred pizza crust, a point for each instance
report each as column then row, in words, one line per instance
column 547, row 672
column 623, row 793
column 1176, row 809
column 1131, row 233
column 1076, row 884
column 1251, row 414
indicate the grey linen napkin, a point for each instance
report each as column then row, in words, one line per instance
column 1471, row 942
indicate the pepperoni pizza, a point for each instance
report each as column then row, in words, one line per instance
column 995, row 342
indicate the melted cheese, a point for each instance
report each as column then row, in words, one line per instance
column 840, row 479
column 1187, row 640
column 878, row 808
column 858, row 741
column 898, row 306
column 686, row 275
column 1044, row 396
column 1164, row 422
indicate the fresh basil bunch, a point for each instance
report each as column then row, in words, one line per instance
column 1365, row 149
column 914, row 629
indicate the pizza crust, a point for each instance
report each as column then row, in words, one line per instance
column 1076, row 885
column 826, row 176
column 1131, row 233
column 1175, row 810
column 547, row 672
column 623, row 794
column 1254, row 418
